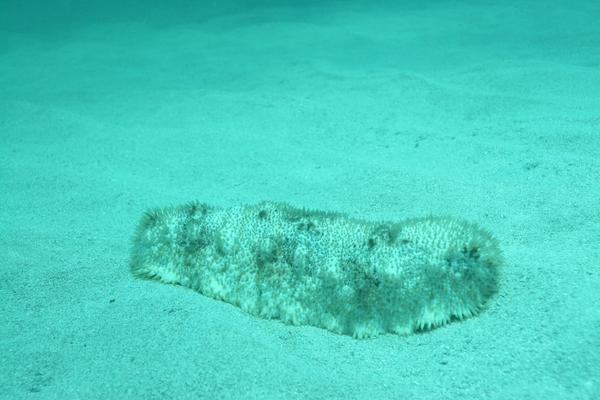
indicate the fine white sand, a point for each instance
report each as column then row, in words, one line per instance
column 490, row 112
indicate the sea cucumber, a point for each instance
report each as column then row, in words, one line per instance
column 324, row 269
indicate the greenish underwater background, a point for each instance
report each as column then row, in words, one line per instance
column 486, row 110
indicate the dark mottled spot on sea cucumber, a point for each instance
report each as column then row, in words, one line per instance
column 393, row 233
column 263, row 214
column 387, row 232
column 474, row 253
column 371, row 243
column 471, row 252
column 307, row 226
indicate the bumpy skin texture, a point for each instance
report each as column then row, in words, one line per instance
column 323, row 269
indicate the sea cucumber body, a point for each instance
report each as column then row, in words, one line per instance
column 323, row 269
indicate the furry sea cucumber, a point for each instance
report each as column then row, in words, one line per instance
column 304, row 267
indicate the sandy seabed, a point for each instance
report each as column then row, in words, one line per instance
column 488, row 112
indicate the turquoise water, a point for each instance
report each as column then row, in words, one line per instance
column 486, row 111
